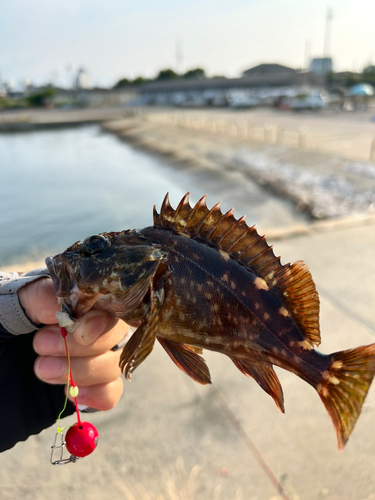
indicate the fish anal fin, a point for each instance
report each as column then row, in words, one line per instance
column 264, row 374
column 300, row 297
column 344, row 387
column 186, row 357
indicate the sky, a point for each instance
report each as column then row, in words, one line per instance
column 49, row 40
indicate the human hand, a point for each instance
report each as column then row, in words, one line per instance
column 95, row 367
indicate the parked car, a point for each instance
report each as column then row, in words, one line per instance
column 311, row 102
column 242, row 100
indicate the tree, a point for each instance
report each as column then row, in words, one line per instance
column 139, row 80
column 166, row 74
column 369, row 69
column 124, row 82
column 41, row 98
column 195, row 73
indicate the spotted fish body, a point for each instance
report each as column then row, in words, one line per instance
column 200, row 279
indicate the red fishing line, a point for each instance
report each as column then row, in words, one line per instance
column 71, row 382
column 82, row 437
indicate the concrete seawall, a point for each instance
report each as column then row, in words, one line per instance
column 32, row 119
column 325, row 186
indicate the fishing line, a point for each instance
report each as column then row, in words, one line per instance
column 71, row 387
column 81, row 438
column 249, row 443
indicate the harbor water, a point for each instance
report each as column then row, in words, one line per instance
column 59, row 186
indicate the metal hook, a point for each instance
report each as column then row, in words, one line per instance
column 61, row 460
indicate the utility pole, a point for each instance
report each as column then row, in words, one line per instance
column 327, row 35
column 179, row 57
column 307, row 54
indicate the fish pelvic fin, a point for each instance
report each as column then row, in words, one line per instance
column 344, row 387
column 187, row 358
column 264, row 374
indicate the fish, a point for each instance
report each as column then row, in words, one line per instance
column 200, row 279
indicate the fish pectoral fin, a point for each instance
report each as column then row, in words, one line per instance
column 142, row 341
column 186, row 357
column 137, row 349
column 266, row 377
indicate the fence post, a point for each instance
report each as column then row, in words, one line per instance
column 267, row 132
column 302, row 137
column 232, row 128
column 372, row 150
column 280, row 134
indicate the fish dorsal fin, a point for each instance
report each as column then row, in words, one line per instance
column 222, row 231
column 300, row 297
column 293, row 283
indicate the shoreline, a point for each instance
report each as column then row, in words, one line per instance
column 202, row 150
column 35, row 118
column 294, row 174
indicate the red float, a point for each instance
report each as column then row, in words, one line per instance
column 81, row 439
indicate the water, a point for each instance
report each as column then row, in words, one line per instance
column 59, row 186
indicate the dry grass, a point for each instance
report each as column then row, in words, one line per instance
column 178, row 484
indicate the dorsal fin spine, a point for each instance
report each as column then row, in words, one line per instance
column 155, row 215
column 165, row 204
column 164, row 219
column 181, row 205
column 241, row 238
column 269, row 263
column 201, row 203
column 249, row 247
column 260, row 254
column 206, row 216
column 230, row 230
column 217, row 225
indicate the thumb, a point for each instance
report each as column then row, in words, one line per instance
column 39, row 302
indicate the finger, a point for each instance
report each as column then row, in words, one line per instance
column 39, row 302
column 86, row 371
column 102, row 396
column 49, row 342
column 92, row 325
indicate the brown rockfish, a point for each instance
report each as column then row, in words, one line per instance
column 200, row 279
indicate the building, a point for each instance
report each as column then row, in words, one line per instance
column 265, row 83
column 268, row 69
column 82, row 79
column 321, row 66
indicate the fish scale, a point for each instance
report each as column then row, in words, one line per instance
column 200, row 279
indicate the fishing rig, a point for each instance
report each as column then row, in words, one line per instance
column 81, row 438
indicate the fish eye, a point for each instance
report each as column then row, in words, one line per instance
column 94, row 245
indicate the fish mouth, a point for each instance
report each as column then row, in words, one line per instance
column 62, row 283
column 72, row 300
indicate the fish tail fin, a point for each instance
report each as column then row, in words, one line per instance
column 344, row 387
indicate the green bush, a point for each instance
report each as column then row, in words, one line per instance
column 40, row 98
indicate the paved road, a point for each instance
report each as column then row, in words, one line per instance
column 169, row 438
column 348, row 135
